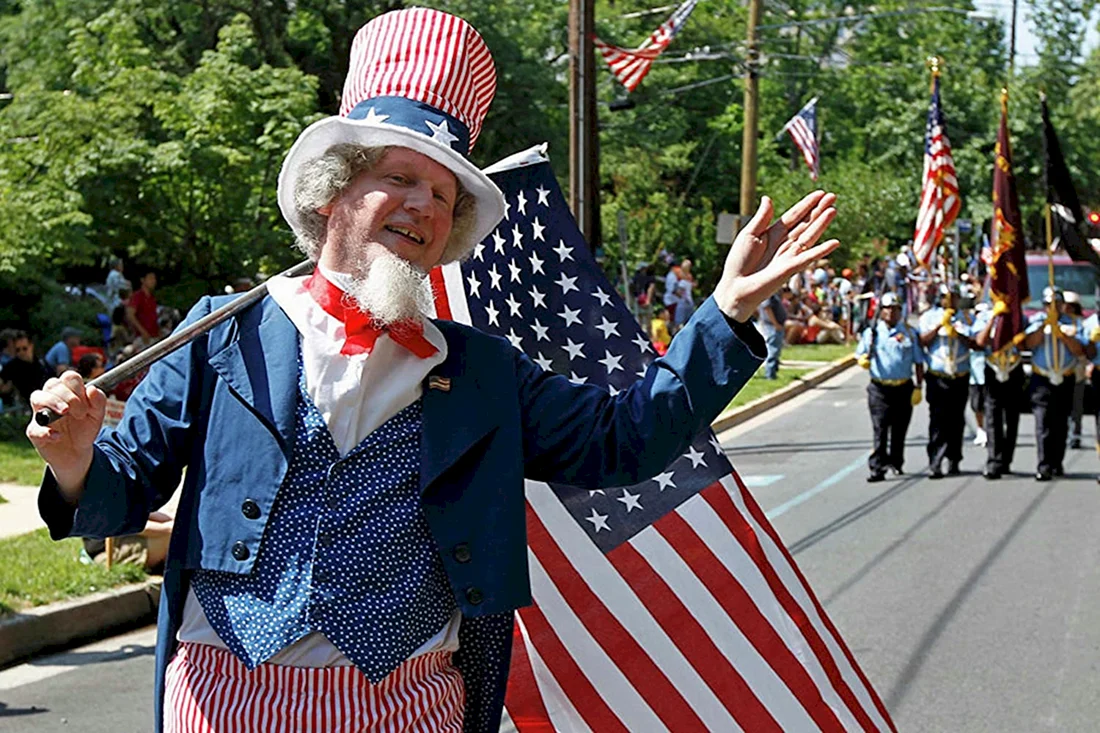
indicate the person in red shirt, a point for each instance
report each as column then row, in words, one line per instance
column 144, row 305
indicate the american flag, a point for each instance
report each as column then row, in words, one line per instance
column 803, row 131
column 940, row 201
column 630, row 67
column 669, row 605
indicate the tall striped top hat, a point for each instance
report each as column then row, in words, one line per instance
column 419, row 79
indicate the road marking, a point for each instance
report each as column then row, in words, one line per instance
column 756, row 482
column 810, row 493
column 113, row 649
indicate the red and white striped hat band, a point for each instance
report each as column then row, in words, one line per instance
column 419, row 79
column 421, row 55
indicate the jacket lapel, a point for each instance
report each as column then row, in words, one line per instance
column 259, row 361
column 456, row 413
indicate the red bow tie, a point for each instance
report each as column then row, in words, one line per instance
column 361, row 333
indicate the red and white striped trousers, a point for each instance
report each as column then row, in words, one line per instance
column 208, row 690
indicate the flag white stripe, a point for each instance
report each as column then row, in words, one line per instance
column 766, row 685
column 563, row 715
column 715, row 535
column 456, row 293
column 619, row 598
column 615, row 689
column 790, row 579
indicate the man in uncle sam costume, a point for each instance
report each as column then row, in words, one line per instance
column 350, row 542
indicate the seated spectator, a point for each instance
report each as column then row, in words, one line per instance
column 822, row 330
column 658, row 332
column 7, row 346
column 148, row 549
column 60, row 356
column 798, row 317
column 25, row 373
column 90, row 366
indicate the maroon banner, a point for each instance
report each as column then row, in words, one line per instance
column 1008, row 268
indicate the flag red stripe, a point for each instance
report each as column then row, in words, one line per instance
column 623, row 649
column 741, row 609
column 721, row 499
column 573, row 682
column 522, row 697
column 691, row 639
column 439, row 288
column 723, row 506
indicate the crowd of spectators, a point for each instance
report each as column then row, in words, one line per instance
column 134, row 321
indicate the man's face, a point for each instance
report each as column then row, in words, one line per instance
column 892, row 314
column 149, row 281
column 72, row 341
column 404, row 203
column 24, row 349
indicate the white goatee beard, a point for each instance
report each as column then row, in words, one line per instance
column 390, row 288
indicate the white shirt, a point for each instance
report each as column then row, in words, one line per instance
column 355, row 394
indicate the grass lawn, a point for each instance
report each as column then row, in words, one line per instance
column 37, row 570
column 20, row 464
column 758, row 386
column 817, row 352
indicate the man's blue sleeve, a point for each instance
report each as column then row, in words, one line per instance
column 582, row 436
column 136, row 468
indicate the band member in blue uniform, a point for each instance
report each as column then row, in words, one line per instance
column 945, row 334
column 1056, row 342
column 891, row 350
column 1004, row 394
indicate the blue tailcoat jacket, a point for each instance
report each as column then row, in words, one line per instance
column 223, row 408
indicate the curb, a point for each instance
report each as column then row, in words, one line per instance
column 738, row 415
column 63, row 624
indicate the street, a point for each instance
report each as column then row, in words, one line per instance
column 970, row 604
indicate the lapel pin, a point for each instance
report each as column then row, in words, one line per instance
column 443, row 384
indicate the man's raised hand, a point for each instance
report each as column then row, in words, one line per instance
column 765, row 255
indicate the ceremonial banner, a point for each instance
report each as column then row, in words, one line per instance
column 631, row 66
column 1007, row 266
column 1065, row 207
column 669, row 605
column 803, row 131
column 940, row 201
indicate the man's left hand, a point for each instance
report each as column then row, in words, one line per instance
column 765, row 255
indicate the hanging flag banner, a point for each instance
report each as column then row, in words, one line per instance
column 803, row 131
column 631, row 66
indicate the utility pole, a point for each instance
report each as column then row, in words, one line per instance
column 584, row 153
column 748, row 140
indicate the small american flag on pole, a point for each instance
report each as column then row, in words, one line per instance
column 803, row 131
column 671, row 605
column 630, row 67
column 940, row 201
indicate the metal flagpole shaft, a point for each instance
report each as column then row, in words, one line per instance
column 140, row 362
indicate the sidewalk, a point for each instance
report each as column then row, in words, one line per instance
column 20, row 514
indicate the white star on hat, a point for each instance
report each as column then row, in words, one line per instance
column 441, row 133
column 373, row 118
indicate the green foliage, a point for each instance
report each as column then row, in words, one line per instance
column 155, row 131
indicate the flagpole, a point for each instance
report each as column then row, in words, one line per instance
column 933, row 63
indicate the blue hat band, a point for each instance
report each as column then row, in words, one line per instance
column 416, row 116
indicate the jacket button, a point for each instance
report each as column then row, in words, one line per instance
column 475, row 596
column 461, row 552
column 250, row 509
column 240, row 551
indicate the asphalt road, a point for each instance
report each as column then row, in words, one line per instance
column 971, row 605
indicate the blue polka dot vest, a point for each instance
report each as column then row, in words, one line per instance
column 346, row 552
